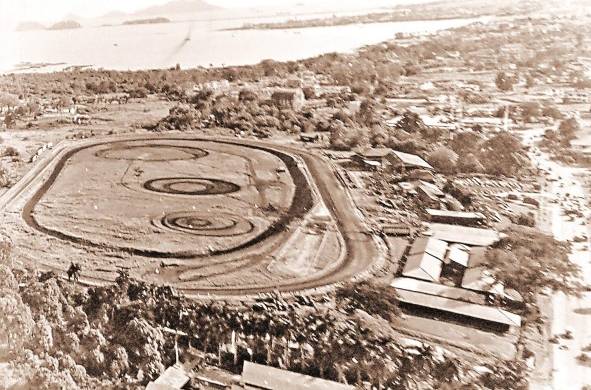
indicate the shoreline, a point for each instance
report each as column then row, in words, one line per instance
column 286, row 26
column 55, row 66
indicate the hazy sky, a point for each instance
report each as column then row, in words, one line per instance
column 13, row 11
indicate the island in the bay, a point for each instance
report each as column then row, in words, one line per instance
column 65, row 25
column 147, row 21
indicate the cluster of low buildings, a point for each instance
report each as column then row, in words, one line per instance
column 451, row 278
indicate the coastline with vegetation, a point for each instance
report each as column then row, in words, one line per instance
column 414, row 12
column 65, row 25
column 343, row 21
column 146, row 21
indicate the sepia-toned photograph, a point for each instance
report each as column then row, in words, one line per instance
column 295, row 194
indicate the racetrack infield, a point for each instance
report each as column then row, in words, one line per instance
column 111, row 203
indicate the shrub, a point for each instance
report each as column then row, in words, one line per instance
column 526, row 220
column 140, row 93
column 371, row 297
column 4, row 178
column 470, row 164
column 9, row 151
column 532, row 201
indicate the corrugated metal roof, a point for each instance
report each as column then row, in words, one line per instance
column 455, row 214
column 270, row 378
column 423, row 266
column 430, row 245
column 432, row 188
column 371, row 162
column 375, row 152
column 412, row 160
column 174, row 377
column 437, row 290
column 463, row 234
column 459, row 254
column 481, row 312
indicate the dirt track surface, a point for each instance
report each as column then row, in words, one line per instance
column 229, row 268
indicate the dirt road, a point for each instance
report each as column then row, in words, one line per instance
column 361, row 250
column 570, row 313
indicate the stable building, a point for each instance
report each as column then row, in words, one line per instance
column 489, row 317
column 406, row 161
column 465, row 218
column 466, row 235
column 373, row 158
column 456, row 262
column 430, row 194
column 260, row 377
column 425, row 259
column 174, row 377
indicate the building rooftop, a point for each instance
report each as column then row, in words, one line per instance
column 375, row 152
column 432, row 188
column 423, row 266
column 459, row 254
column 430, row 245
column 257, row 376
column 472, row 310
column 455, row 214
column 437, row 289
column 463, row 234
column 174, row 377
column 411, row 160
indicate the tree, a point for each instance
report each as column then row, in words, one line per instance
column 526, row 219
column 465, row 142
column 411, row 122
column 469, row 163
column 309, row 93
column 366, row 114
column 378, row 136
column 10, row 119
column 181, row 118
column 138, row 93
column 8, row 100
column 530, row 110
column 373, row 298
column 443, row 159
column 551, row 111
column 502, row 154
column 411, row 69
column 504, row 82
column 530, row 262
column 568, row 129
column 247, row 95
column 344, row 137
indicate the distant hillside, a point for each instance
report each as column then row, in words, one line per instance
column 65, row 25
column 29, row 26
column 147, row 21
column 177, row 7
